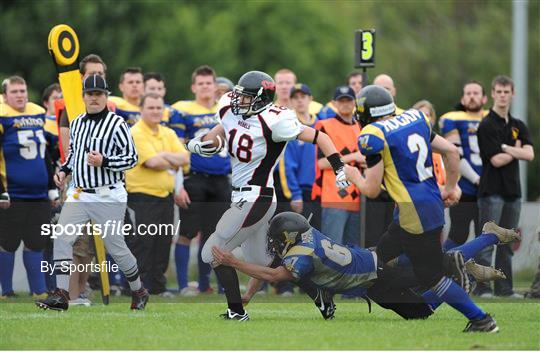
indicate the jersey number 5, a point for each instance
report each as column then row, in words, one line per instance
column 243, row 146
column 416, row 143
column 29, row 147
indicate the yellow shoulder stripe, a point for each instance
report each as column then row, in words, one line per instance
column 179, row 104
column 177, row 125
column 314, row 107
column 123, row 104
column 331, row 105
column 115, row 99
column 299, row 250
column 283, row 179
column 452, row 115
column 30, row 109
column 190, row 107
column 374, row 130
column 408, row 217
column 34, row 109
column 461, row 116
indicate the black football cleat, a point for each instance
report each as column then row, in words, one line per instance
column 454, row 265
column 139, row 299
column 325, row 303
column 58, row 300
column 488, row 324
column 231, row 315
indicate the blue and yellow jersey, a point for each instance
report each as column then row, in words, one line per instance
column 404, row 143
column 131, row 113
column 315, row 108
column 329, row 265
column 465, row 125
column 328, row 111
column 193, row 120
column 169, row 114
column 297, row 167
column 51, row 130
column 22, row 152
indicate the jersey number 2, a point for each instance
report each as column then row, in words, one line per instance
column 416, row 143
column 243, row 146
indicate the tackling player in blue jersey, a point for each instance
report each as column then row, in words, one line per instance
column 308, row 257
column 398, row 151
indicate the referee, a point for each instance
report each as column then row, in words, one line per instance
column 101, row 149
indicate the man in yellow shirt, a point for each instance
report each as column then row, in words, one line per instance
column 150, row 187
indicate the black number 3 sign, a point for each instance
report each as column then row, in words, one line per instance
column 364, row 41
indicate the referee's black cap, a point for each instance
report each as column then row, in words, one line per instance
column 95, row 83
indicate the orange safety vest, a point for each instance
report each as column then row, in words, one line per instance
column 438, row 169
column 345, row 139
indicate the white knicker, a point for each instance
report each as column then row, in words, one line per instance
column 101, row 209
column 245, row 224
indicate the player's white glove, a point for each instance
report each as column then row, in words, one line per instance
column 53, row 194
column 341, row 179
column 204, row 148
column 4, row 200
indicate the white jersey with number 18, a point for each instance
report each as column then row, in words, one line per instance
column 256, row 143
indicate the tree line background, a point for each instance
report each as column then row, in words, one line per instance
column 429, row 47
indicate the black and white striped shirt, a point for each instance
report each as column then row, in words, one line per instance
column 108, row 134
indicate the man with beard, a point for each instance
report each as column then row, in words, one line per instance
column 459, row 127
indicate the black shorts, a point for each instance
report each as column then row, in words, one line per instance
column 424, row 251
column 210, row 197
column 379, row 215
column 22, row 221
column 461, row 216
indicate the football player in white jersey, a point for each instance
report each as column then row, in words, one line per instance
column 255, row 132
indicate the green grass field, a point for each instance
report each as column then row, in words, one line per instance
column 276, row 323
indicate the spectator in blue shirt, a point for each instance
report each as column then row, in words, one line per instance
column 298, row 165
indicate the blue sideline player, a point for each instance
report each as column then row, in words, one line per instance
column 24, row 200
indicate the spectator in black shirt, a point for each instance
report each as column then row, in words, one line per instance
column 503, row 140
